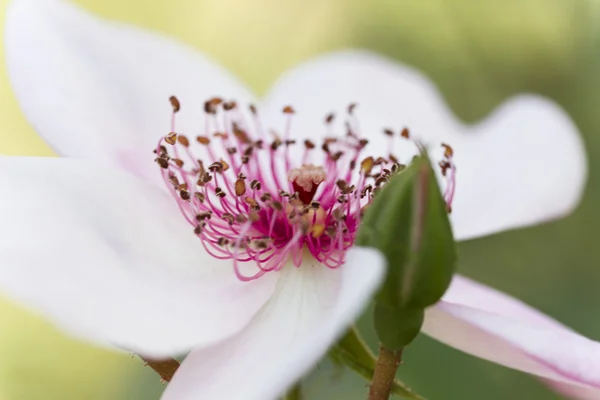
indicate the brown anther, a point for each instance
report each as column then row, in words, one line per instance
column 363, row 143
column 336, row 156
column 253, row 216
column 315, row 204
column 351, row 108
column 265, row 197
column 365, row 190
column 308, row 144
column 241, row 218
column 203, row 140
column 405, row 133
column 200, row 196
column 352, row 165
column 162, row 163
column 185, row 195
column 175, row 103
column 220, row 135
column 240, row 187
column 275, row 145
column 342, row 199
column 249, row 151
column 245, row 159
column 241, row 176
column 288, row 110
column 225, row 165
column 201, row 169
column 229, row 105
column 217, row 166
column 203, row 215
column 329, row 118
column 388, row 132
column 171, row 138
column 444, row 165
column 255, row 185
column 178, row 162
column 380, row 160
column 219, row 192
column 317, row 230
column 381, row 180
column 393, row 158
column 250, row 201
column 331, row 231
column 283, row 193
column 338, row 214
column 241, row 134
column 252, row 108
column 261, row 244
column 342, row 184
column 183, row 141
column 448, row 151
column 198, row 230
column 210, row 106
column 222, row 241
column 276, row 205
column 366, row 165
column 290, row 142
column 174, row 181
column 228, row 217
column 182, row 186
column 162, row 150
column 259, row 144
column 231, row 150
column 325, row 147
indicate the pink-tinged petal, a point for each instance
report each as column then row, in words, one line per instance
column 574, row 391
column 526, row 161
column 100, row 89
column 311, row 307
column 109, row 258
column 489, row 324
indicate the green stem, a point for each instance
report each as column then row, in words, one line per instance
column 384, row 374
column 353, row 352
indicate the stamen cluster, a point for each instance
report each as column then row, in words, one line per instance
column 253, row 196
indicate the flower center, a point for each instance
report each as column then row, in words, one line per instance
column 251, row 199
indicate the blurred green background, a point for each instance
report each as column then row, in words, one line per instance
column 479, row 52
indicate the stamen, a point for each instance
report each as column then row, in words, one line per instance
column 241, row 210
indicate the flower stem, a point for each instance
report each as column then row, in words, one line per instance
column 164, row 368
column 385, row 373
column 295, row 393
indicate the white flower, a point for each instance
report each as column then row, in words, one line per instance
column 97, row 244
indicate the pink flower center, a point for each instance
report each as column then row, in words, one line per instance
column 256, row 197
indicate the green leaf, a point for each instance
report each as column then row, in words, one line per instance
column 353, row 352
column 408, row 222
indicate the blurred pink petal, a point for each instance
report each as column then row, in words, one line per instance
column 492, row 325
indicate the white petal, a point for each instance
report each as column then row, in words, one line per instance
column 523, row 165
column 311, row 307
column 489, row 324
column 100, row 89
column 109, row 258
column 573, row 391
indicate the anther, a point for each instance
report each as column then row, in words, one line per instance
column 183, row 141
column 219, row 192
column 203, row 140
column 288, row 110
column 171, row 138
column 240, row 187
column 175, row 104
column 405, row 134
